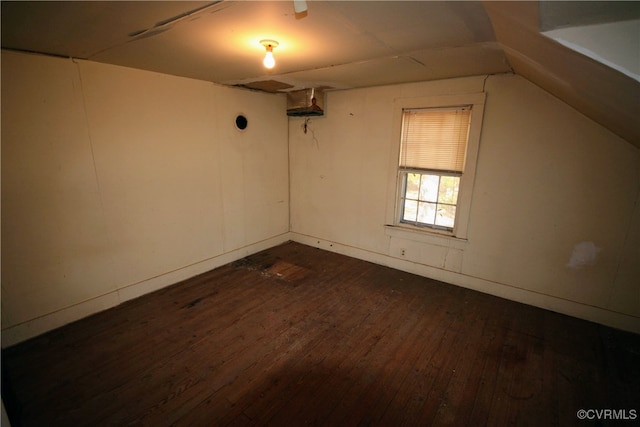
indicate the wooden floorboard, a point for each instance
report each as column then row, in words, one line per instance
column 299, row 336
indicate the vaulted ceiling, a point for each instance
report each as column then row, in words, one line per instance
column 347, row 44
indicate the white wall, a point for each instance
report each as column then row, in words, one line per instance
column 549, row 182
column 116, row 182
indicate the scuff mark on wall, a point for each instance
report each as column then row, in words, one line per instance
column 584, row 254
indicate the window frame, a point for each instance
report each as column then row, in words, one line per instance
column 395, row 191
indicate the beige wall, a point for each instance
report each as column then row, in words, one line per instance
column 116, row 182
column 552, row 189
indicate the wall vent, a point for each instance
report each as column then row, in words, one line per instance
column 306, row 102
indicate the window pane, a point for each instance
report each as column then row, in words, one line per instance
column 448, row 191
column 429, row 188
column 426, row 213
column 446, row 216
column 410, row 210
column 413, row 185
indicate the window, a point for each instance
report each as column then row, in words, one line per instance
column 429, row 199
column 434, row 167
column 432, row 154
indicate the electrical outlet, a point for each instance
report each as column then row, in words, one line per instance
column 402, row 251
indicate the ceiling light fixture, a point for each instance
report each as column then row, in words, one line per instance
column 269, row 61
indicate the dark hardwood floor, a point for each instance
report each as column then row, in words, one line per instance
column 298, row 336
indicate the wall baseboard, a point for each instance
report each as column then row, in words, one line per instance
column 548, row 302
column 32, row 328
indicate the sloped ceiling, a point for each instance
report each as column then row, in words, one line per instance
column 599, row 91
column 338, row 44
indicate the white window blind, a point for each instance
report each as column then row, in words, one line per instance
column 435, row 139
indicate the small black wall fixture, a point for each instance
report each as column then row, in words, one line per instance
column 241, row 122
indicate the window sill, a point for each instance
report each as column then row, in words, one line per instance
column 425, row 236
